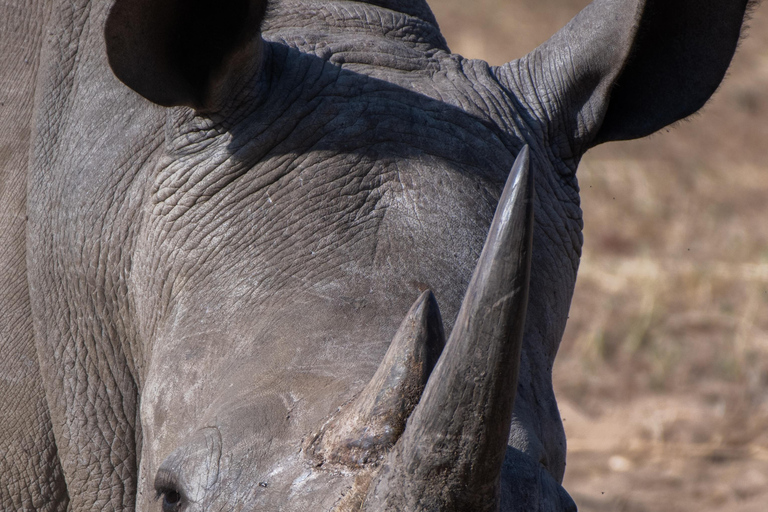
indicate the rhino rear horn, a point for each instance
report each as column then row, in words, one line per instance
column 450, row 456
column 366, row 429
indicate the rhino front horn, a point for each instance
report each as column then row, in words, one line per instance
column 450, row 456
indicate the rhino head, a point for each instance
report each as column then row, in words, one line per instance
column 321, row 175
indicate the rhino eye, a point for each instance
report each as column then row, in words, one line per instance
column 171, row 500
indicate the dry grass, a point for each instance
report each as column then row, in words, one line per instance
column 663, row 371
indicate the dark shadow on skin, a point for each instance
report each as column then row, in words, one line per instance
column 316, row 105
column 526, row 485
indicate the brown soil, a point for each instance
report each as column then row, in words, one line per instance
column 662, row 375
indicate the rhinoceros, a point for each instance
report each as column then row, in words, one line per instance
column 297, row 255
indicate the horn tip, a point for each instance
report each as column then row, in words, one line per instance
column 521, row 169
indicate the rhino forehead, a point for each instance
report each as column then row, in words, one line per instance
column 350, row 188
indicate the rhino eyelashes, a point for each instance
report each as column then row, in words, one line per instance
column 168, row 490
column 172, row 500
column 438, row 427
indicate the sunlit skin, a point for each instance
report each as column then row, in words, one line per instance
column 248, row 242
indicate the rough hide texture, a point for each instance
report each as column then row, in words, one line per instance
column 215, row 221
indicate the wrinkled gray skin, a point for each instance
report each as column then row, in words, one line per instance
column 201, row 286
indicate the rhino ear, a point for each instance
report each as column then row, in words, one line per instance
column 622, row 69
column 179, row 52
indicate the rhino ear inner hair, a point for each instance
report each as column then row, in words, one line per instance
column 451, row 453
column 364, row 430
column 177, row 52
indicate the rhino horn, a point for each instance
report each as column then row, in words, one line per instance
column 450, row 456
column 365, row 430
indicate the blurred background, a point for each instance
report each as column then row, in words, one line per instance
column 662, row 376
